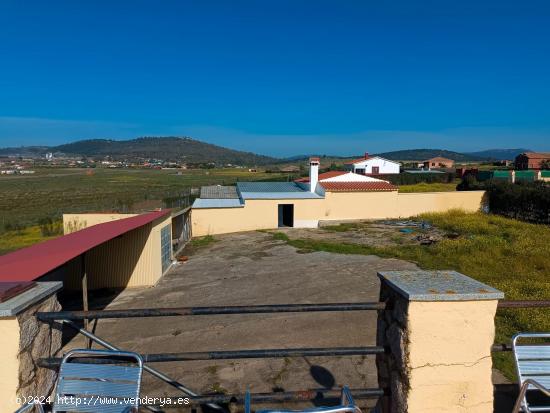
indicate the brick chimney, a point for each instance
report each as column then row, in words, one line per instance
column 366, row 155
column 313, row 173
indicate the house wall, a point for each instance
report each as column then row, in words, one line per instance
column 385, row 166
column 256, row 214
column 262, row 214
column 131, row 260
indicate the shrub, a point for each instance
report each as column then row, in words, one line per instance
column 528, row 201
column 50, row 227
column 405, row 178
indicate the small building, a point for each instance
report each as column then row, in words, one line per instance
column 372, row 165
column 113, row 250
column 438, row 162
column 531, row 160
column 330, row 196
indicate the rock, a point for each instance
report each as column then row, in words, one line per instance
column 26, row 368
column 29, row 331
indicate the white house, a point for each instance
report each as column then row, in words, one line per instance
column 373, row 165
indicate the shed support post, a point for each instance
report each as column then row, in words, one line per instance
column 85, row 296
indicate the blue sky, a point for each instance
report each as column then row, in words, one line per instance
column 278, row 77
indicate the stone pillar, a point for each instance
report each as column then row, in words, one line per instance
column 23, row 340
column 439, row 327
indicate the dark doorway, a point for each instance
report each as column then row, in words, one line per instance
column 286, row 215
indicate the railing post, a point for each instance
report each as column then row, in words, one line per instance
column 439, row 327
column 23, row 341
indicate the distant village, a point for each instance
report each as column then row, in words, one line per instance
column 13, row 165
column 368, row 164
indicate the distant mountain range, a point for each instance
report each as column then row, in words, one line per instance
column 176, row 149
column 188, row 150
column 499, row 154
column 422, row 154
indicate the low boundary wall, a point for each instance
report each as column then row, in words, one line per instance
column 337, row 206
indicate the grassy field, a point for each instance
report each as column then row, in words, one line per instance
column 50, row 192
column 432, row 187
column 14, row 240
column 507, row 254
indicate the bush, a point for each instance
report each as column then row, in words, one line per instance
column 528, row 201
column 405, row 178
column 49, row 227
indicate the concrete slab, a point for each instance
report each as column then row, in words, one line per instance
column 253, row 268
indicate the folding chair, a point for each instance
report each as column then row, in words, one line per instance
column 108, row 387
column 533, row 369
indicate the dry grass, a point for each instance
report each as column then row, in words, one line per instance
column 507, row 254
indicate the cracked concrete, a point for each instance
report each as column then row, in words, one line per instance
column 253, row 268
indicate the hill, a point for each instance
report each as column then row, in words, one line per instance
column 30, row 151
column 499, row 154
column 422, row 154
column 180, row 149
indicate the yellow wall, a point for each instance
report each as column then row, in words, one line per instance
column 449, row 356
column 9, row 373
column 256, row 214
column 359, row 205
column 131, row 260
column 262, row 214
column 410, row 204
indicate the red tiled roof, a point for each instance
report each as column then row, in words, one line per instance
column 30, row 263
column 358, row 160
column 324, row 175
column 358, row 186
column 537, row 155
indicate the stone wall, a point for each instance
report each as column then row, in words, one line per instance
column 37, row 340
column 392, row 366
column 438, row 328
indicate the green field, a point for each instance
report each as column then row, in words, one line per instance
column 51, row 192
column 507, row 254
column 428, row 187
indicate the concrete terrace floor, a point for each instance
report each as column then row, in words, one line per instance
column 245, row 269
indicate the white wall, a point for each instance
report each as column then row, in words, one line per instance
column 385, row 166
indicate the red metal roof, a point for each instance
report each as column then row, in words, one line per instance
column 324, row 175
column 358, row 186
column 30, row 263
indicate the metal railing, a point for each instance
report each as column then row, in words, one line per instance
column 68, row 318
column 213, row 401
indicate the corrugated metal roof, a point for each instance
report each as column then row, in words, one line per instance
column 201, row 203
column 268, row 187
column 358, row 186
column 275, row 190
column 30, row 263
column 219, row 192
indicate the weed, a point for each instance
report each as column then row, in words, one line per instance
column 507, row 254
column 344, row 227
column 218, row 389
column 202, row 241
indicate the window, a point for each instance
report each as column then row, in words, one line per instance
column 360, row 171
column 165, row 247
column 375, row 170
